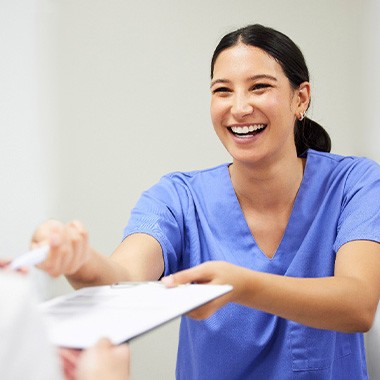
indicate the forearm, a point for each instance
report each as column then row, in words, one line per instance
column 344, row 302
column 138, row 258
column 335, row 303
column 99, row 270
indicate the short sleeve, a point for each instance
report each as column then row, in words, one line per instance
column 360, row 210
column 160, row 213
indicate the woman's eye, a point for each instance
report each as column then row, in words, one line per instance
column 260, row 86
column 221, row 90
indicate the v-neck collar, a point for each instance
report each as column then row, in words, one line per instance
column 291, row 238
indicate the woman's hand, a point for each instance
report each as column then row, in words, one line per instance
column 346, row 302
column 69, row 246
column 213, row 273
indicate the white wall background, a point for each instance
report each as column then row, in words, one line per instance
column 99, row 98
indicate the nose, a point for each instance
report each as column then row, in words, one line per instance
column 241, row 106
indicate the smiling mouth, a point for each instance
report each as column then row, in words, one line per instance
column 247, row 130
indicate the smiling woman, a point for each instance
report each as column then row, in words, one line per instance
column 255, row 95
column 290, row 63
column 287, row 223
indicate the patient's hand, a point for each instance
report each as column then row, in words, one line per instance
column 101, row 361
column 69, row 246
column 69, row 362
column 104, row 361
column 4, row 263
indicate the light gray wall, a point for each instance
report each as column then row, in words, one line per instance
column 102, row 97
column 26, row 189
column 24, row 183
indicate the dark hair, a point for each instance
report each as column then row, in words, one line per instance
column 307, row 133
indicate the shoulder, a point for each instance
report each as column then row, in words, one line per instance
column 197, row 177
column 181, row 186
column 350, row 165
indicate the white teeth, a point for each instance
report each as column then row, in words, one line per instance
column 246, row 129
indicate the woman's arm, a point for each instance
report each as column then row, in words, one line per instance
column 345, row 302
column 138, row 258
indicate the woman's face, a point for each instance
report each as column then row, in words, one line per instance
column 253, row 106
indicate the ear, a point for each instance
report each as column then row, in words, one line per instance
column 303, row 99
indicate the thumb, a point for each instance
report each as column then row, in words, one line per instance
column 103, row 343
column 198, row 274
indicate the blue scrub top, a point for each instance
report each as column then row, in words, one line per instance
column 196, row 217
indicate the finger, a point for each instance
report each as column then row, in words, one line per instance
column 79, row 227
column 4, row 263
column 103, row 343
column 184, row 277
column 49, row 234
column 69, row 361
column 123, row 350
column 68, row 250
column 43, row 232
column 60, row 259
column 71, row 355
column 78, row 238
column 123, row 353
column 198, row 274
column 53, row 262
column 23, row 270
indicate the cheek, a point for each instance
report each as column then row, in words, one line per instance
column 278, row 109
column 217, row 110
column 270, row 103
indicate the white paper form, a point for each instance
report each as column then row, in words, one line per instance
column 121, row 312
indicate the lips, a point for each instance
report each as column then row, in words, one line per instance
column 247, row 130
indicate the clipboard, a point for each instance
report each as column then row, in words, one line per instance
column 120, row 312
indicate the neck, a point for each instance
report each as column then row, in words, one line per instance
column 269, row 187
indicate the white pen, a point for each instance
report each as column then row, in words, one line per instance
column 30, row 258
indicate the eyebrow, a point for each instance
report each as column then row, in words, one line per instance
column 254, row 77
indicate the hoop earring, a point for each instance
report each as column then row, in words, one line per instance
column 301, row 116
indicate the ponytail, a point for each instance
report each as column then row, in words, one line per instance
column 310, row 135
